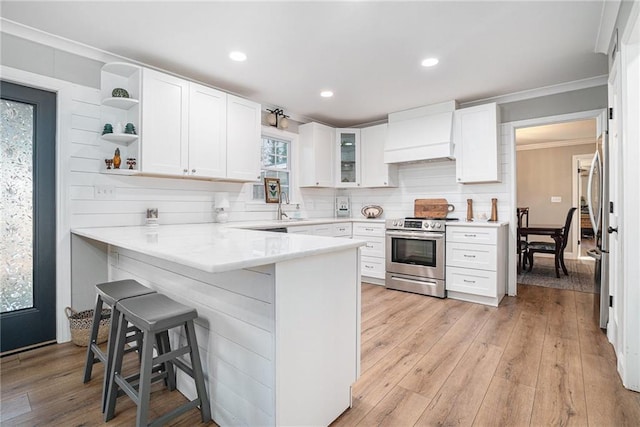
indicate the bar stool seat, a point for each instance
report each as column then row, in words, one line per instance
column 109, row 293
column 154, row 315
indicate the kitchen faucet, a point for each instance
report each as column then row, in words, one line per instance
column 280, row 213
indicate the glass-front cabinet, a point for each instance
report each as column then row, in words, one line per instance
column 348, row 158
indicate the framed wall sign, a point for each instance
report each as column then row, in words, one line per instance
column 271, row 190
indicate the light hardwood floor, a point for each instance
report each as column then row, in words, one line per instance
column 539, row 359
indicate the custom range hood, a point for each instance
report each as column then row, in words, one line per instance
column 421, row 134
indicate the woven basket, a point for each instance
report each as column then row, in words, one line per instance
column 80, row 323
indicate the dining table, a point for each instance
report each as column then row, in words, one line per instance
column 554, row 231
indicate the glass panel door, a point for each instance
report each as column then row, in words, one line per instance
column 349, row 153
column 27, row 217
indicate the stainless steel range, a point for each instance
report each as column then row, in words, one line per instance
column 415, row 255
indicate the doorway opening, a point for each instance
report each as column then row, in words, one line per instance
column 546, row 184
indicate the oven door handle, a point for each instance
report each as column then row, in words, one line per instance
column 416, row 235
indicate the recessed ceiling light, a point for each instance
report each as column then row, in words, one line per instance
column 238, row 56
column 429, row 62
column 326, row 94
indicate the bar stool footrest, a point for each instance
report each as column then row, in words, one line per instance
column 174, row 413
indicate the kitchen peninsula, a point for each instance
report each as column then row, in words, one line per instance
column 279, row 314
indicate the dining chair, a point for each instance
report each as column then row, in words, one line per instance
column 556, row 247
column 522, row 241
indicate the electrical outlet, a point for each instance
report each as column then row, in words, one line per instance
column 104, row 192
column 556, row 199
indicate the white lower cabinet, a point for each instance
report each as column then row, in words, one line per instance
column 300, row 229
column 341, row 229
column 472, row 281
column 476, row 267
column 372, row 266
column 323, row 230
column 372, row 261
column 372, row 255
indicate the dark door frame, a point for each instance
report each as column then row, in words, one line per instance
column 28, row 327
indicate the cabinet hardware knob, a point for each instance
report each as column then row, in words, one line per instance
column 258, row 177
column 612, row 230
column 385, row 183
column 317, row 183
column 193, row 171
column 185, row 170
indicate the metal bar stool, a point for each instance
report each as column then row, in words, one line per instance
column 154, row 315
column 109, row 293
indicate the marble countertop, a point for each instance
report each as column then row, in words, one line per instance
column 217, row 247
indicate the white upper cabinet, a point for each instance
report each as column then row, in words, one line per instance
column 348, row 158
column 207, row 132
column 164, row 123
column 374, row 172
column 423, row 133
column 243, row 139
column 316, row 154
column 358, row 154
column 192, row 130
column 477, row 144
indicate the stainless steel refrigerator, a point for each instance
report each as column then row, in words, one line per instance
column 598, row 204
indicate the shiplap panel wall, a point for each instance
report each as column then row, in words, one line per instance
column 239, row 364
column 178, row 200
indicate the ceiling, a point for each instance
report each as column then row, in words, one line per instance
column 367, row 53
column 577, row 131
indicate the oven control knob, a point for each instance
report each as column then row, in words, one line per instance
column 438, row 225
column 425, row 225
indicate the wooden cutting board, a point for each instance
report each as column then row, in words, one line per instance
column 431, row 208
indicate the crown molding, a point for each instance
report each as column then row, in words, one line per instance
column 541, row 91
column 555, row 144
column 38, row 36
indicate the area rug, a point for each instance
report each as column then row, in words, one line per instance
column 580, row 276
